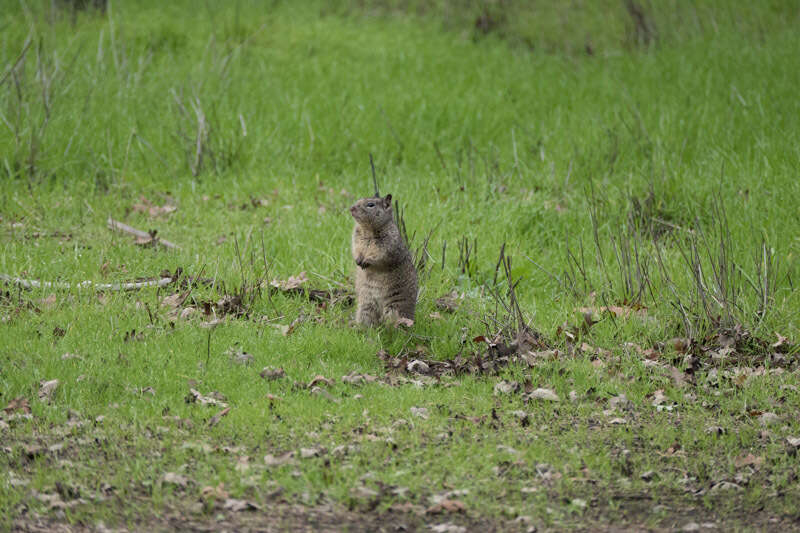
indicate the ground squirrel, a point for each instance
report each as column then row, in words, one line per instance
column 386, row 280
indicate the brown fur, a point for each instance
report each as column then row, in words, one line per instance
column 386, row 280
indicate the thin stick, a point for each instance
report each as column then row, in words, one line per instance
column 192, row 285
column 17, row 62
column 131, row 286
column 537, row 265
column 499, row 262
column 239, row 259
column 208, row 349
column 147, row 145
column 119, row 226
column 391, row 129
column 439, row 155
column 266, row 273
column 374, row 178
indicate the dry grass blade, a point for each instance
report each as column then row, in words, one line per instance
column 374, row 177
column 16, row 63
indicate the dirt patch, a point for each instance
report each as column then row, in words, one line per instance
column 280, row 517
column 635, row 514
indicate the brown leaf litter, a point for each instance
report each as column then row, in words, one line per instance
column 270, row 373
column 18, row 404
column 496, row 355
column 449, row 302
column 214, row 398
column 152, row 210
column 297, row 286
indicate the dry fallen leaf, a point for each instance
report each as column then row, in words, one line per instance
column 174, row 301
column 542, row 394
column 145, row 241
column 20, row 403
column 235, row 505
column 678, row 377
column 507, row 449
column 145, row 206
column 448, row 527
column 217, row 417
column 320, row 379
column 618, row 402
column 47, row 388
column 406, row 508
column 725, row 486
column 659, row 398
column 361, row 492
column 578, row 502
column 449, row 302
column 215, row 493
column 195, row 396
column 418, row 366
column 354, row 378
column 447, row 506
column 506, row 387
column 780, row 342
column 574, row 396
column 284, row 459
column 402, row 321
column 421, row 412
column 748, row 460
column 308, row 453
column 294, row 282
column 238, row 357
column 175, row 479
column 680, row 344
column 534, row 357
column 767, row 419
column 319, row 391
column 271, row 373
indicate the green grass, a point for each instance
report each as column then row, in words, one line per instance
column 517, row 137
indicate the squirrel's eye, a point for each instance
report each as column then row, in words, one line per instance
column 370, row 204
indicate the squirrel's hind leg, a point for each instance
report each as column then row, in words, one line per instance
column 368, row 313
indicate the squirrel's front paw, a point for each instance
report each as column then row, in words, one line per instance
column 361, row 262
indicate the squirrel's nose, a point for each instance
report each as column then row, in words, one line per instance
column 353, row 209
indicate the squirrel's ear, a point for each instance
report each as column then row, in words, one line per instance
column 388, row 200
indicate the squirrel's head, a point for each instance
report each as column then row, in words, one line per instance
column 373, row 213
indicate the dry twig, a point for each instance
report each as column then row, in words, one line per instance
column 129, row 286
column 139, row 234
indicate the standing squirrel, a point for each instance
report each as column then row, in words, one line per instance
column 386, row 280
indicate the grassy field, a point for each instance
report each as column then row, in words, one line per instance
column 604, row 199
